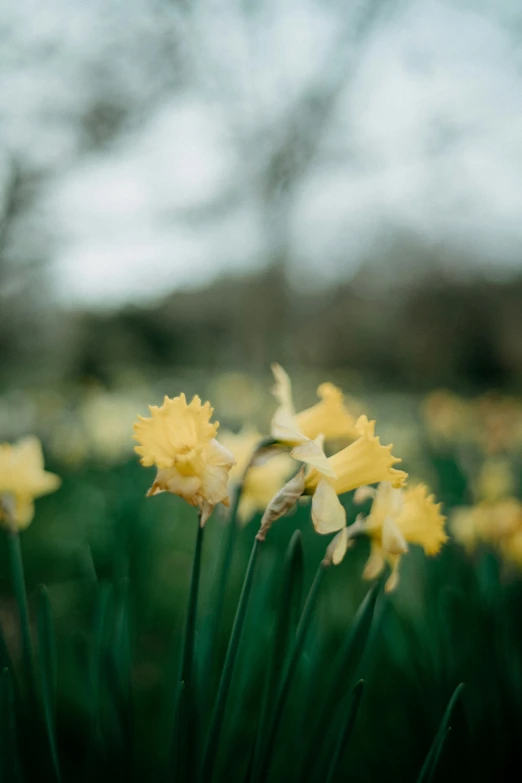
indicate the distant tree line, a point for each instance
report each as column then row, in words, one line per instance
column 462, row 335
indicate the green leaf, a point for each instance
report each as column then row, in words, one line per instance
column 116, row 658
column 351, row 711
column 350, row 655
column 187, row 653
column 216, row 723
column 188, row 726
column 288, row 674
column 284, row 632
column 97, row 667
column 9, row 763
column 221, row 580
column 47, row 671
column 343, row 672
column 176, row 756
column 435, row 751
column 20, row 591
column 5, row 658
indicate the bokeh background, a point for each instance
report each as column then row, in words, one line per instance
column 192, row 190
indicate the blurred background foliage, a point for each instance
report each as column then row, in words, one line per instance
column 189, row 191
column 166, row 201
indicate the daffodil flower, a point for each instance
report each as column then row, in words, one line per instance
column 306, row 431
column 365, row 461
column 22, row 480
column 399, row 517
column 180, row 441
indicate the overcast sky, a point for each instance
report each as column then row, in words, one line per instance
column 426, row 135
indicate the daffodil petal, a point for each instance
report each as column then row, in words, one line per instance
column 362, row 494
column 375, row 562
column 338, row 546
column 311, row 453
column 283, row 428
column 393, row 579
column 282, row 389
column 328, row 514
column 393, row 540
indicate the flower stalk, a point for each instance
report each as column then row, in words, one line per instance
column 18, row 578
column 187, row 655
column 185, row 710
column 207, row 766
column 224, row 570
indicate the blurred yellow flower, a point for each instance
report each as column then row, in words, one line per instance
column 446, row 415
column 262, row 480
column 22, row 479
column 511, row 546
column 495, row 480
column 495, row 523
column 328, row 418
column 180, row 441
column 498, row 423
column 106, row 418
column 398, row 518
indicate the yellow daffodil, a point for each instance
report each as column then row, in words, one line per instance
column 398, row 518
column 180, row 441
column 328, row 418
column 365, row 461
column 262, row 480
column 22, row 479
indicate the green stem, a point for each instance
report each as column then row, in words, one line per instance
column 222, row 581
column 187, row 655
column 216, row 723
column 184, row 733
column 346, row 731
column 283, row 635
column 289, row 670
column 17, row 574
column 47, row 671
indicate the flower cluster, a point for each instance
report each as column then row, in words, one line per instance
column 180, row 441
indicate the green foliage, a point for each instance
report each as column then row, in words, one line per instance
column 107, row 635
